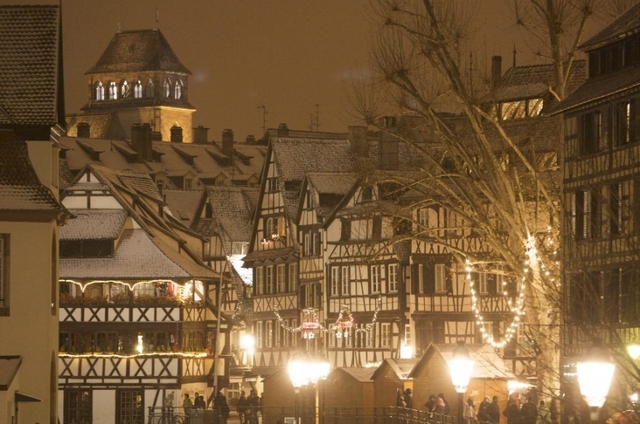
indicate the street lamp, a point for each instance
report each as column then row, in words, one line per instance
column 304, row 371
column 460, row 367
column 595, row 372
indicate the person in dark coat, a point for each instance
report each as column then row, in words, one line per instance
column 408, row 399
column 512, row 411
column 493, row 411
column 528, row 412
column 254, row 406
column 242, row 408
column 220, row 409
column 483, row 410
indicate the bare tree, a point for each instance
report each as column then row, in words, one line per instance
column 479, row 167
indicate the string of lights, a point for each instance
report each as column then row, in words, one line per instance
column 517, row 308
column 344, row 324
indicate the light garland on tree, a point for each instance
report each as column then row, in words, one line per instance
column 341, row 327
column 517, row 309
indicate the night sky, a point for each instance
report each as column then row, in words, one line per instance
column 288, row 55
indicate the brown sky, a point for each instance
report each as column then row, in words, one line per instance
column 288, row 55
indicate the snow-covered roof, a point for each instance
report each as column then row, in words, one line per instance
column 92, row 224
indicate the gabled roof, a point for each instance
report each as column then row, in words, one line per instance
column 622, row 27
column 232, row 211
column 29, row 66
column 401, row 367
column 601, row 88
column 361, row 374
column 137, row 257
column 20, row 188
column 183, row 203
column 93, row 224
column 526, row 82
column 295, row 157
column 138, row 50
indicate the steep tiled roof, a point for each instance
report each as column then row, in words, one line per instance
column 172, row 161
column 28, row 64
column 20, row 188
column 232, row 208
column 140, row 50
column 596, row 89
column 332, row 183
column 91, row 224
column 183, row 203
column 625, row 25
column 295, row 157
column 137, row 257
column 525, row 82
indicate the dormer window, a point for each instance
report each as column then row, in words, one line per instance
column 113, row 90
column 178, row 90
column 167, row 88
column 521, row 109
column 124, row 89
column 150, row 90
column 99, row 91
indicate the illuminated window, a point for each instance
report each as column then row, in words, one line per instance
column 375, row 278
column 440, row 278
column 178, row 90
column 124, row 89
column 259, row 281
column 130, row 407
column 269, row 280
column 269, row 336
column 344, row 281
column 385, row 334
column 335, row 281
column 392, row 278
column 99, row 91
column 258, row 334
column 78, row 406
column 113, row 90
column 137, row 90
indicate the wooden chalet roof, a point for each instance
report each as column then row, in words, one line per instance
column 361, row 374
column 138, row 50
column 20, row 188
column 622, row 27
column 29, row 67
column 401, row 367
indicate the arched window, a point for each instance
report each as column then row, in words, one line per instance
column 124, row 89
column 99, row 91
column 167, row 88
column 137, row 90
column 150, row 90
column 178, row 90
column 113, row 90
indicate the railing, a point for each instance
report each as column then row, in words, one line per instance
column 343, row 415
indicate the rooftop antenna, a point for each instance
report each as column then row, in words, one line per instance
column 514, row 55
column 264, row 118
column 157, row 18
column 317, row 117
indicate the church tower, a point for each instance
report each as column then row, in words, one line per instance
column 138, row 79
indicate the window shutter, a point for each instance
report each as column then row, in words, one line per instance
column 302, row 295
column 429, row 278
column 414, row 278
column 317, row 243
column 447, row 278
column 346, row 230
column 377, row 228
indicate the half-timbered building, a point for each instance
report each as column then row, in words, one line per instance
column 137, row 323
column 31, row 122
column 602, row 192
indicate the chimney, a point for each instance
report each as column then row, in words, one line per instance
column 200, row 135
column 251, row 139
column 358, row 140
column 141, row 141
column 388, row 122
column 283, row 130
column 147, row 151
column 496, row 70
column 156, row 136
column 227, row 142
column 84, row 130
column 176, row 134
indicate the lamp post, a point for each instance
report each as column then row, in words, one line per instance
column 304, row 371
column 460, row 367
column 595, row 372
